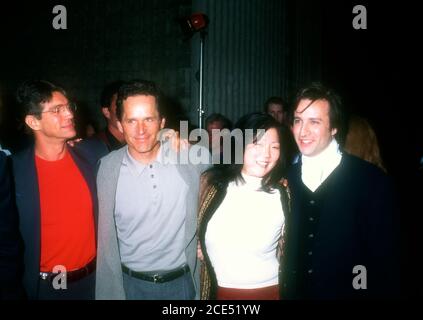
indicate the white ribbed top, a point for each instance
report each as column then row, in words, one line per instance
column 242, row 236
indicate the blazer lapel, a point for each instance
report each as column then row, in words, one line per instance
column 28, row 202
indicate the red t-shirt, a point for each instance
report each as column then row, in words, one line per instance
column 67, row 221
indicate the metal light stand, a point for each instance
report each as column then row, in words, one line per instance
column 200, row 93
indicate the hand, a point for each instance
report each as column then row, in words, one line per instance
column 73, row 142
column 199, row 252
column 176, row 142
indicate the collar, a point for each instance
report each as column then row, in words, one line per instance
column 315, row 170
column 331, row 153
column 137, row 167
column 251, row 183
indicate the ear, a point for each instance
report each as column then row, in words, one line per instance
column 120, row 127
column 106, row 112
column 333, row 132
column 32, row 122
column 163, row 122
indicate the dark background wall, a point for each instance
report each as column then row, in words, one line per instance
column 104, row 41
column 245, row 55
column 254, row 49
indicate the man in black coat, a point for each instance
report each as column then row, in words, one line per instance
column 341, row 237
column 10, row 248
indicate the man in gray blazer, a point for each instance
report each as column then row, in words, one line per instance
column 147, row 208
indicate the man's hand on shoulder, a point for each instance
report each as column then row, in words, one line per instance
column 177, row 144
column 73, row 142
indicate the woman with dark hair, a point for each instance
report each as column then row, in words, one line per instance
column 242, row 214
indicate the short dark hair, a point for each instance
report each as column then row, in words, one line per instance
column 218, row 117
column 318, row 91
column 32, row 93
column 274, row 100
column 136, row 88
column 108, row 92
column 224, row 174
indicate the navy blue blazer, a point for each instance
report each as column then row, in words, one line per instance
column 86, row 155
column 10, row 248
column 350, row 220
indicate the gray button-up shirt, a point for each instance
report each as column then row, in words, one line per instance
column 150, row 214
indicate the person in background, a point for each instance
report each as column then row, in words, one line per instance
column 10, row 243
column 217, row 122
column 111, row 135
column 8, row 132
column 277, row 108
column 362, row 142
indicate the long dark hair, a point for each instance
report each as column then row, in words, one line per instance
column 223, row 174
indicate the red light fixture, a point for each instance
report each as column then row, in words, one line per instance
column 194, row 23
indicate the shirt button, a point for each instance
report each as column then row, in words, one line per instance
column 310, row 253
column 311, row 219
column 154, row 187
column 311, row 235
column 152, row 175
column 151, row 166
column 311, row 201
column 310, row 271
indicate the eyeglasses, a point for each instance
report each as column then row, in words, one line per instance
column 71, row 107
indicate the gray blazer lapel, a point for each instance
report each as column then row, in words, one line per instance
column 109, row 282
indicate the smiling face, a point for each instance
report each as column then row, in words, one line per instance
column 311, row 127
column 51, row 125
column 261, row 157
column 140, row 125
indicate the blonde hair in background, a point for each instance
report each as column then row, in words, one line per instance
column 362, row 142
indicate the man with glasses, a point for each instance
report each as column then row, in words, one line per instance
column 56, row 197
